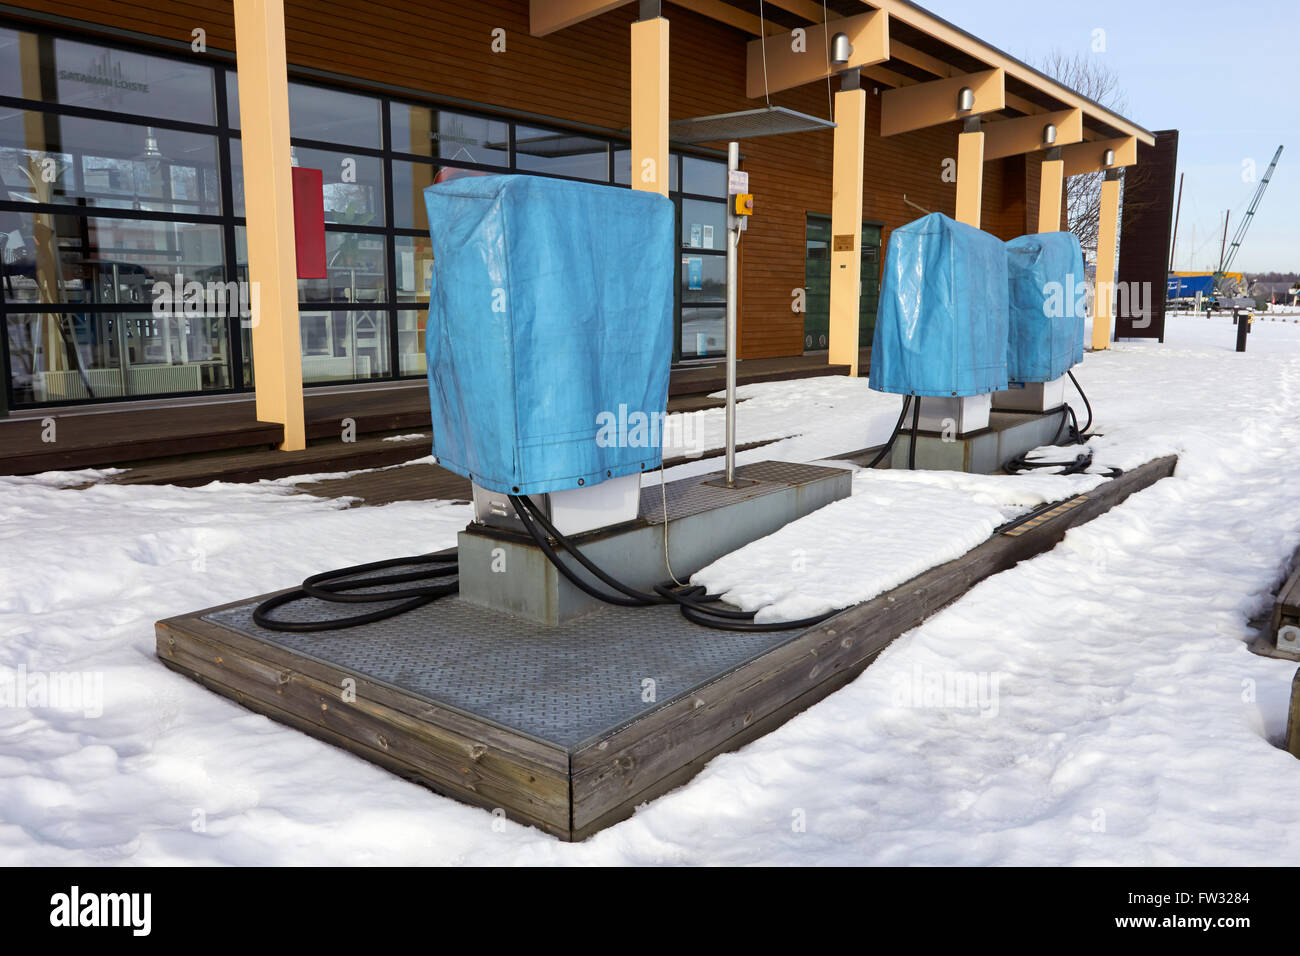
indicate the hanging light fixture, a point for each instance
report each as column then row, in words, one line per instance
column 148, row 173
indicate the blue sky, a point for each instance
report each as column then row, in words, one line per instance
column 1226, row 76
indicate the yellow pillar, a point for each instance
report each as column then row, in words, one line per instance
column 1050, row 184
column 970, row 177
column 650, row 105
column 1107, row 228
column 268, row 197
column 846, row 226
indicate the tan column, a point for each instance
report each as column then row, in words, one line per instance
column 1107, row 230
column 1050, row 184
column 650, row 105
column 846, row 226
column 268, row 198
column 970, row 177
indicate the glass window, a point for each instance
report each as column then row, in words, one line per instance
column 410, row 341
column 704, row 331
column 94, row 76
column 353, row 185
column 704, row 177
column 440, row 134
column 355, row 269
column 409, row 183
column 704, row 224
column 413, row 268
column 561, row 154
column 704, row 278
column 623, row 172
column 343, row 344
column 71, row 356
column 69, row 259
column 54, row 159
column 333, row 116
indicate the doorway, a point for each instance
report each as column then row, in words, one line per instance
column 817, row 283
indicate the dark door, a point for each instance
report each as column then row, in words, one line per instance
column 817, row 283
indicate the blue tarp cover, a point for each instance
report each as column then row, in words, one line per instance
column 941, row 328
column 1047, row 282
column 550, row 312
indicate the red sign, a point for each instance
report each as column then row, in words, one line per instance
column 309, row 222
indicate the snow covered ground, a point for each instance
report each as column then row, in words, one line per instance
column 1094, row 705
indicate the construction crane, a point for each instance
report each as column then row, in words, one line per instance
column 1226, row 258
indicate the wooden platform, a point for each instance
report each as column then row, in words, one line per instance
column 569, row 785
column 1286, row 611
column 191, row 441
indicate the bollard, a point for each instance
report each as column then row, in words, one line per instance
column 1293, row 721
column 1243, row 329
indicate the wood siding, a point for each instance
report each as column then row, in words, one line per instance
column 581, row 75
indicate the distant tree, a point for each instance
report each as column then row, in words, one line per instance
column 1090, row 77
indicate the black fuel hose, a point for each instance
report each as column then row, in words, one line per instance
column 911, row 445
column 1075, row 436
column 692, row 600
column 335, row 587
column 898, row 427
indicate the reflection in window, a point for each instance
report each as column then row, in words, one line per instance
column 410, row 341
column 440, row 134
column 704, row 331
column 69, row 259
column 355, row 270
column 561, row 154
column 342, row 344
column 353, row 185
column 70, row 356
column 105, row 78
column 704, row 278
column 409, row 183
column 53, row 159
column 704, row 176
column 413, row 268
column 333, row 116
column 704, row 224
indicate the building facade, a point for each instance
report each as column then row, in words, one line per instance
column 120, row 153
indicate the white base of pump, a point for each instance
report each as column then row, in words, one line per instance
column 572, row 511
column 1032, row 396
column 969, row 413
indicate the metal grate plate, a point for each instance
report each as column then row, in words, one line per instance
column 561, row 685
column 690, row 496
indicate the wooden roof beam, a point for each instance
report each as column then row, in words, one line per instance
column 780, row 62
column 1090, row 157
column 548, row 16
column 934, row 102
column 1024, row 134
column 919, row 19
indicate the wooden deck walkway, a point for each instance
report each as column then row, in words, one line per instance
column 191, row 441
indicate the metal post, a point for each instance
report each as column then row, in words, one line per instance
column 733, row 237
